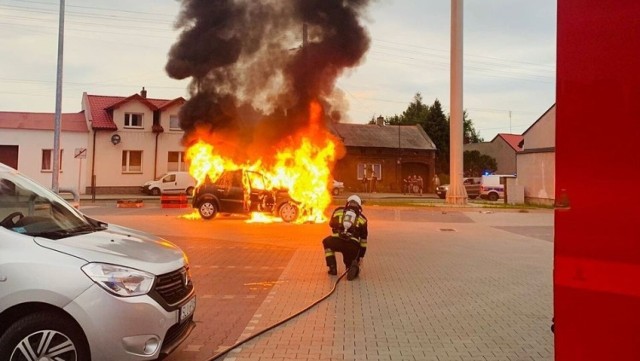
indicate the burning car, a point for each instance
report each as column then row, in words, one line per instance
column 243, row 192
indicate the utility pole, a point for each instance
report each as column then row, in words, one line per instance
column 456, row 194
column 58, row 117
column 399, row 162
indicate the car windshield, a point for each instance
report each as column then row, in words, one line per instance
column 30, row 209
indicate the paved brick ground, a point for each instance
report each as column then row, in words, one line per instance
column 437, row 284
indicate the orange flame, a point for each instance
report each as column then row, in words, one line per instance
column 257, row 217
column 303, row 166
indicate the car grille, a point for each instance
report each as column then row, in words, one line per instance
column 173, row 287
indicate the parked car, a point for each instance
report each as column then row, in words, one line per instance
column 471, row 184
column 492, row 186
column 171, row 183
column 74, row 288
column 242, row 192
column 337, row 187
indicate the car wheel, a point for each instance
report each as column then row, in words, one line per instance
column 155, row 191
column 335, row 191
column 442, row 196
column 493, row 196
column 207, row 209
column 473, row 197
column 288, row 212
column 44, row 336
column 190, row 191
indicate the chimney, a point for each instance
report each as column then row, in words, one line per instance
column 143, row 93
column 380, row 121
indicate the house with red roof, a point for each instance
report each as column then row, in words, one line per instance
column 132, row 140
column 504, row 148
column 531, row 156
column 26, row 144
column 114, row 145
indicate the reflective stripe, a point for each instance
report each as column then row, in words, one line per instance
column 355, row 239
column 363, row 243
column 328, row 252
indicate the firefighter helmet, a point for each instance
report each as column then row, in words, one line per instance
column 354, row 198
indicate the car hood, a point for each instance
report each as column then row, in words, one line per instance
column 122, row 246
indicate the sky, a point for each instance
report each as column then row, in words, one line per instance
column 117, row 47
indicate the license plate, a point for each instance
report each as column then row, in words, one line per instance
column 187, row 309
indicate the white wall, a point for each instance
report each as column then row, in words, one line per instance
column 536, row 172
column 543, row 133
column 537, row 163
column 30, row 145
column 169, row 140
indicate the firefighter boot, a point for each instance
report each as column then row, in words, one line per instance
column 354, row 270
column 332, row 264
column 333, row 270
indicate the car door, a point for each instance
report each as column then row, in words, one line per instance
column 260, row 199
column 472, row 186
column 231, row 192
column 169, row 183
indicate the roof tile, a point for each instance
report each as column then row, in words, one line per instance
column 514, row 140
column 102, row 105
column 390, row 136
column 70, row 122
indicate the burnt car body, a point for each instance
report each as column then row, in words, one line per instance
column 243, row 192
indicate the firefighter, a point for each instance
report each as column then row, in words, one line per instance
column 349, row 237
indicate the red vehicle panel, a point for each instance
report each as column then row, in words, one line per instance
column 597, row 223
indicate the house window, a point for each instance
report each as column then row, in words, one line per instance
column 133, row 120
column 369, row 170
column 176, row 162
column 174, row 123
column 131, row 161
column 47, row 160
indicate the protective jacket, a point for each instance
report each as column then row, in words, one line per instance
column 357, row 232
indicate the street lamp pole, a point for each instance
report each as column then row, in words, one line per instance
column 58, row 116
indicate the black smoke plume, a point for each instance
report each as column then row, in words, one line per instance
column 253, row 74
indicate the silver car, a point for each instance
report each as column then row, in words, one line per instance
column 73, row 288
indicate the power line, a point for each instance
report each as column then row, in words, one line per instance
column 445, row 54
column 95, row 8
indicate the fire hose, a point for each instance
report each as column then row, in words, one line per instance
column 239, row 343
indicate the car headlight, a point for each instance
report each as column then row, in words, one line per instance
column 119, row 280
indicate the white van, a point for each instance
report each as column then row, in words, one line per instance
column 171, row 183
column 492, row 186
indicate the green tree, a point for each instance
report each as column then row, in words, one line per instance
column 476, row 164
column 470, row 133
column 437, row 127
column 436, row 124
column 416, row 113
